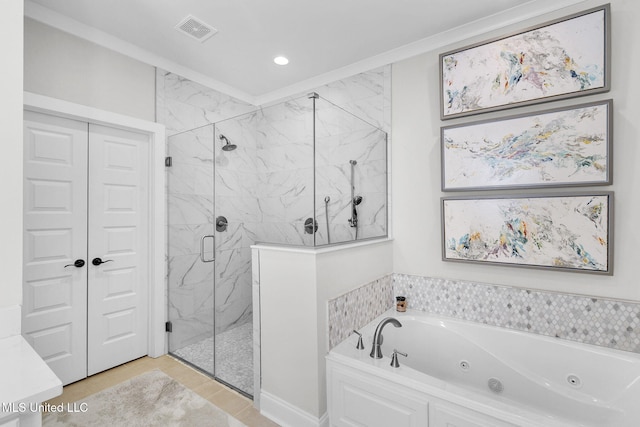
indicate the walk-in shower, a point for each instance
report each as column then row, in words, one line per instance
column 262, row 177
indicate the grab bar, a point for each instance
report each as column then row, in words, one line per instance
column 202, row 258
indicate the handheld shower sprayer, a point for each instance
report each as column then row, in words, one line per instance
column 355, row 200
column 326, row 214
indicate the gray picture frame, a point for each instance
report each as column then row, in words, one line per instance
column 567, row 146
column 468, row 78
column 569, row 231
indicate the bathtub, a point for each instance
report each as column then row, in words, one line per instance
column 466, row 374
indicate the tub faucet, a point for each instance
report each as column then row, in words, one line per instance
column 376, row 351
column 394, row 358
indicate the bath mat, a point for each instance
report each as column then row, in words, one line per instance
column 150, row 399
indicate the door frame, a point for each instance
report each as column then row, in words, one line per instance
column 157, row 345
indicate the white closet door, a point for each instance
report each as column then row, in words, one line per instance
column 54, row 308
column 118, row 235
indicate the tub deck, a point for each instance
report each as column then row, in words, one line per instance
column 535, row 380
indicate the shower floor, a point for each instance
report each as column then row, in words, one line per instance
column 233, row 356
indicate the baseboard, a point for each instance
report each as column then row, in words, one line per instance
column 286, row 414
column 10, row 321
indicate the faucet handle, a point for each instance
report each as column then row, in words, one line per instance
column 360, row 345
column 394, row 358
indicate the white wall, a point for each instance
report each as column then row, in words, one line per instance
column 338, row 272
column 289, row 352
column 63, row 66
column 295, row 285
column 11, row 137
column 416, row 168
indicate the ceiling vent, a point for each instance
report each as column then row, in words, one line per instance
column 195, row 28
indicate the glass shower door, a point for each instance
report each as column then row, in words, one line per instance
column 210, row 220
column 191, row 246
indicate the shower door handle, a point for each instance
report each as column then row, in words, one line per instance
column 202, row 258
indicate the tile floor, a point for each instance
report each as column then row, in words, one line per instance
column 224, row 398
column 233, row 356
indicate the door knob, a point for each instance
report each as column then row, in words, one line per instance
column 98, row 261
column 77, row 263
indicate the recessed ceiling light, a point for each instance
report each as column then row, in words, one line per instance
column 280, row 60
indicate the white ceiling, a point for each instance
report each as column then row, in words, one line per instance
column 318, row 36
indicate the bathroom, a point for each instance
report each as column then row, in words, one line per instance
column 399, row 95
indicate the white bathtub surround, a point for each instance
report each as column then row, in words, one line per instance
column 464, row 372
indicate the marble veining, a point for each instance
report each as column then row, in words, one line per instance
column 265, row 187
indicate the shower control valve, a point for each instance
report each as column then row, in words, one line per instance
column 221, row 223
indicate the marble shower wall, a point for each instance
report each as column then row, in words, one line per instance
column 264, row 188
column 235, row 199
column 183, row 105
column 285, row 172
column 340, row 139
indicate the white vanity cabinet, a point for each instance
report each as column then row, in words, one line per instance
column 25, row 382
column 11, row 421
column 357, row 398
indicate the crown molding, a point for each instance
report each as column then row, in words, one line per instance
column 526, row 11
column 63, row 23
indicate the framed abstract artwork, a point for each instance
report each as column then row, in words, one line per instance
column 570, row 232
column 563, row 58
column 568, row 146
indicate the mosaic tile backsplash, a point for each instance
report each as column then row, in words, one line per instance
column 590, row 320
column 357, row 308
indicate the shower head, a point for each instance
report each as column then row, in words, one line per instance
column 353, row 162
column 228, row 146
column 357, row 200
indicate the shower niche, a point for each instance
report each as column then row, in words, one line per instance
column 304, row 172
